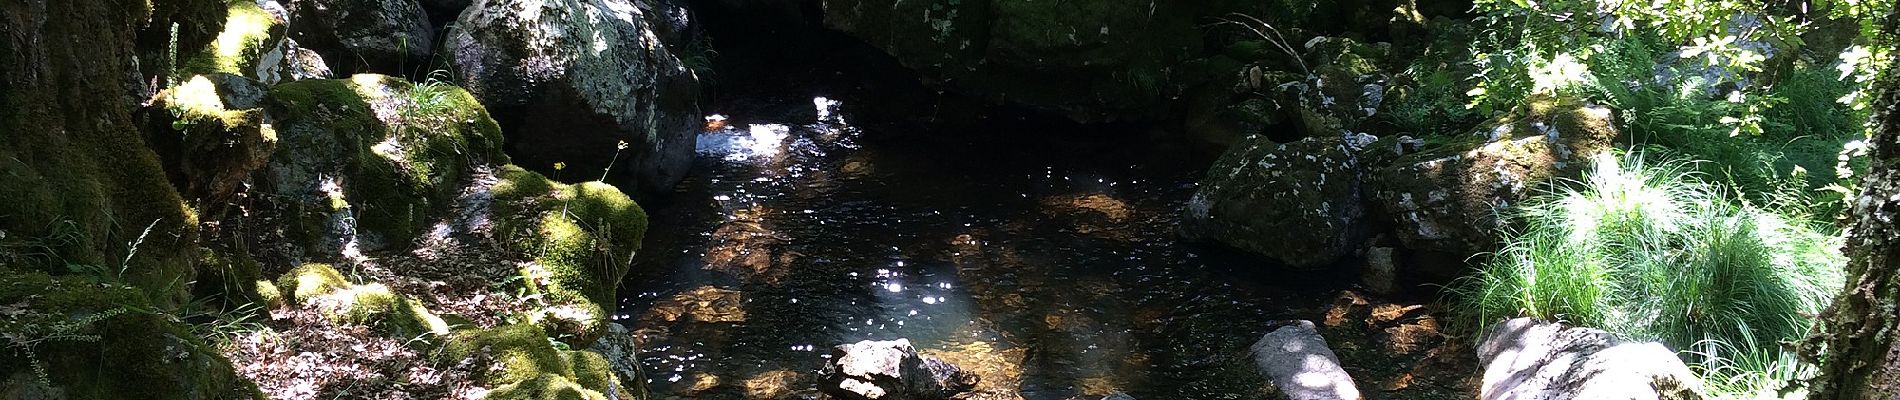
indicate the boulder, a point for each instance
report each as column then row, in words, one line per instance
column 1381, row 272
column 1297, row 203
column 383, row 36
column 1295, row 359
column 209, row 134
column 890, row 370
column 251, row 33
column 1529, row 359
column 577, row 81
column 581, row 238
column 1448, row 197
column 361, row 164
column 525, row 366
column 623, row 358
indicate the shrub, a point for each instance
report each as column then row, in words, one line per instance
column 1651, row 253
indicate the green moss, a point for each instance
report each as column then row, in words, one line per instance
column 545, row 387
column 521, row 351
column 311, row 280
column 229, row 277
column 73, row 326
column 269, row 294
column 396, row 170
column 529, row 367
column 581, row 237
column 248, row 33
column 375, row 306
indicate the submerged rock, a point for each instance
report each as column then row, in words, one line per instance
column 1450, row 197
column 572, row 80
column 1529, row 359
column 1297, row 203
column 890, row 370
column 1296, row 360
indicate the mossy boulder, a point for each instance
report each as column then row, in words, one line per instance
column 528, row 367
column 79, row 186
column 576, row 81
column 243, row 47
column 1298, row 203
column 581, row 238
column 371, row 304
column 208, row 145
column 363, row 163
column 1448, row 196
column 72, row 326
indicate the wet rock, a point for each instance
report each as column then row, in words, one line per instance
column 1449, row 197
column 1297, row 203
column 890, row 370
column 1529, row 359
column 383, row 36
column 623, row 357
column 570, row 80
column 1381, row 270
column 1296, row 360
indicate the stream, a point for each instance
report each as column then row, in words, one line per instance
column 1054, row 274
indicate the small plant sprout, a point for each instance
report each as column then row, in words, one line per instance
column 610, row 162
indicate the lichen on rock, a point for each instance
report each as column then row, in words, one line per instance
column 1298, row 203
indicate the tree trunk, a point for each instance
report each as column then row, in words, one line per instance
column 1860, row 333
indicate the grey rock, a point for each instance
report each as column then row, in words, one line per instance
column 384, row 36
column 1297, row 361
column 1529, row 359
column 570, row 79
column 1381, row 273
column 890, row 370
column 1298, row 203
column 623, row 357
column 1449, row 198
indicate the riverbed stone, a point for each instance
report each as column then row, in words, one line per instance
column 1296, row 360
column 1297, row 203
column 1449, row 196
column 587, row 83
column 1525, row 358
column 890, row 370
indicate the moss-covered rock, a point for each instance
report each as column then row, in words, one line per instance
column 1298, row 203
column 581, row 238
column 528, row 367
column 1448, row 196
column 363, row 163
column 371, row 304
column 308, row 281
column 72, row 326
column 208, row 145
column 249, row 33
column 79, row 185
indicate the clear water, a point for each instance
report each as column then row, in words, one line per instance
column 1050, row 268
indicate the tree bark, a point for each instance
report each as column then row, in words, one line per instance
column 1860, row 333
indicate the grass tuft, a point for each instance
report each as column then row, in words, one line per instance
column 1650, row 252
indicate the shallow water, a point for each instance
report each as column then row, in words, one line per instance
column 1054, row 276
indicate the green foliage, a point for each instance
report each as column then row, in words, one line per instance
column 1650, row 253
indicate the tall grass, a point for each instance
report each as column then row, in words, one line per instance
column 1650, row 252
